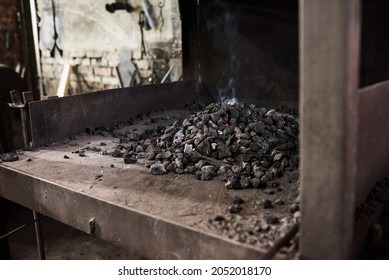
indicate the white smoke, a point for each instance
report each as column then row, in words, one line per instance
column 228, row 85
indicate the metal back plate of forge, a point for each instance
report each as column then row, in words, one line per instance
column 55, row 119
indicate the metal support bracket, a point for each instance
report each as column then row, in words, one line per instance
column 21, row 102
column 92, row 226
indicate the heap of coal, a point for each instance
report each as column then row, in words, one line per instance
column 246, row 145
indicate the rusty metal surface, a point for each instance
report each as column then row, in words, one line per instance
column 373, row 138
column 159, row 217
column 55, row 119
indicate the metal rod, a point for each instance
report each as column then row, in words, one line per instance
column 280, row 243
column 21, row 227
column 39, row 238
column 23, row 113
column 167, row 74
column 34, row 27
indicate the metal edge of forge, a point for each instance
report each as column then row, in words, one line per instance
column 144, row 234
column 56, row 119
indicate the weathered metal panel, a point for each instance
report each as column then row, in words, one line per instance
column 373, row 138
column 145, row 234
column 55, row 119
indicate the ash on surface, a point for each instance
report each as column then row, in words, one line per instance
column 254, row 151
column 9, row 157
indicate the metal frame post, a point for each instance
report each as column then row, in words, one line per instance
column 329, row 71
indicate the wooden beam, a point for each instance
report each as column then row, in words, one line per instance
column 329, row 50
column 64, row 81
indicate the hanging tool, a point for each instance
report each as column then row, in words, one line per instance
column 143, row 24
column 55, row 37
column 119, row 6
column 160, row 18
column 149, row 13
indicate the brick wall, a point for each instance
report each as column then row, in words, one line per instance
column 90, row 70
column 93, row 39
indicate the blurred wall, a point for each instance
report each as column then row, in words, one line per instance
column 10, row 51
column 94, row 41
column 250, row 49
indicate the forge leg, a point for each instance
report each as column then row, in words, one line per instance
column 39, row 238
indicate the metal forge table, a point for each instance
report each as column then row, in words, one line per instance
column 164, row 217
